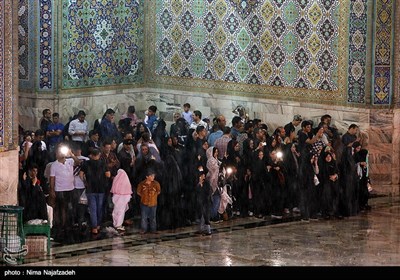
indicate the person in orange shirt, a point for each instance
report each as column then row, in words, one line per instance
column 148, row 190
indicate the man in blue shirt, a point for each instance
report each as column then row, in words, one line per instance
column 108, row 129
column 54, row 133
column 151, row 117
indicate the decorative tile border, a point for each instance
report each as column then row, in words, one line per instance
column 396, row 76
column 2, row 93
column 26, row 43
column 8, row 77
column 383, row 50
column 45, row 45
column 358, row 45
column 23, row 39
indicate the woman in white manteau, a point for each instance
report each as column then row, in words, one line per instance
column 122, row 193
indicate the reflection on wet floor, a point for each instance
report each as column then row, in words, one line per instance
column 369, row 239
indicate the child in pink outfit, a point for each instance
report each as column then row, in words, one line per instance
column 122, row 193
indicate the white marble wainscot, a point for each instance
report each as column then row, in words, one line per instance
column 68, row 104
column 8, row 177
column 95, row 104
column 273, row 112
column 396, row 150
column 31, row 106
column 381, row 148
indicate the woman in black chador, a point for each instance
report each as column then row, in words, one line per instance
column 360, row 158
column 348, row 183
column 170, row 208
column 291, row 161
column 204, row 203
column 39, row 157
column 31, row 196
column 329, row 178
column 308, row 188
column 160, row 133
column 261, row 198
column 277, row 178
column 236, row 162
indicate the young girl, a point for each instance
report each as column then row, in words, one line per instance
column 122, row 193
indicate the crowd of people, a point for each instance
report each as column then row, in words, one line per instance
column 198, row 171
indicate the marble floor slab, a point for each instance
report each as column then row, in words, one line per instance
column 369, row 239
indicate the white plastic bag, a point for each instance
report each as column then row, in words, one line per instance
column 316, row 181
column 83, row 198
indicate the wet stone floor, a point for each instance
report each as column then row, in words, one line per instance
column 370, row 239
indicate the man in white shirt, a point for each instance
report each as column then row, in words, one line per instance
column 197, row 121
column 62, row 186
column 79, row 129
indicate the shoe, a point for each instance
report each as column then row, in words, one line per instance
column 121, row 228
column 251, row 214
column 216, row 221
column 207, row 230
column 286, row 211
column 95, row 231
column 276, row 217
column 296, row 210
column 83, row 226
